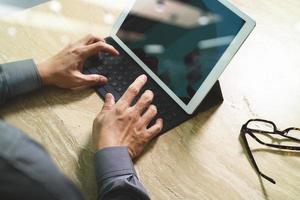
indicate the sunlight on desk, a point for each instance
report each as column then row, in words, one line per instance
column 202, row 158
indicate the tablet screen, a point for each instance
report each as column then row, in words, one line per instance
column 180, row 40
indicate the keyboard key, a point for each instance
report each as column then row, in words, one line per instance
column 100, row 68
column 93, row 70
column 114, row 84
column 119, row 89
column 101, row 90
column 109, row 67
column 115, row 73
column 125, row 83
column 119, row 78
column 111, row 90
column 130, row 67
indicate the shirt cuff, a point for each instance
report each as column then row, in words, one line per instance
column 21, row 77
column 113, row 162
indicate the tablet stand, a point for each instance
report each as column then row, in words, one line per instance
column 213, row 98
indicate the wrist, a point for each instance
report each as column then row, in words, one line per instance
column 102, row 145
column 44, row 73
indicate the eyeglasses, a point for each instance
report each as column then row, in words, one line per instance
column 269, row 130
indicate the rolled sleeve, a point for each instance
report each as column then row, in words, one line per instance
column 19, row 78
column 113, row 162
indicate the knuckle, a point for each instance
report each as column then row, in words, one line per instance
column 101, row 38
column 69, row 46
column 133, row 115
column 140, row 125
column 158, row 129
column 76, row 51
column 155, row 129
column 153, row 109
column 100, row 45
column 108, row 46
column 145, row 139
column 78, row 62
column 78, row 79
column 90, row 36
column 119, row 110
column 130, row 117
column 133, row 90
column 97, row 120
column 160, row 126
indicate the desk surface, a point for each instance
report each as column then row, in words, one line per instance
column 201, row 159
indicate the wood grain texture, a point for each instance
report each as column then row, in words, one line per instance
column 201, row 159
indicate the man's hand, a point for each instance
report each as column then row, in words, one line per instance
column 119, row 124
column 65, row 68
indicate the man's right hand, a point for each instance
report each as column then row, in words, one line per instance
column 120, row 124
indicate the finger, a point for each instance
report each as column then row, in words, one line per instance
column 97, row 47
column 148, row 116
column 90, row 39
column 92, row 80
column 155, row 129
column 109, row 103
column 144, row 101
column 133, row 90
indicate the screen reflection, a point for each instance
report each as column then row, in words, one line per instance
column 180, row 40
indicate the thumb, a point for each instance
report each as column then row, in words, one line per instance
column 109, row 103
column 92, row 80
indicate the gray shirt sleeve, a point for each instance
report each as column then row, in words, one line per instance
column 116, row 177
column 27, row 172
column 21, row 157
column 18, row 78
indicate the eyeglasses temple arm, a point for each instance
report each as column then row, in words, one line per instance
column 267, row 178
column 243, row 136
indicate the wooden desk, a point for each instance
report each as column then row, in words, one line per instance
column 201, row 159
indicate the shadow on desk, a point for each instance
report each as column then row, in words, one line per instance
column 278, row 152
column 267, row 150
column 39, row 104
column 85, row 170
column 46, row 97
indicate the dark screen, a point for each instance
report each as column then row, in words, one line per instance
column 180, row 41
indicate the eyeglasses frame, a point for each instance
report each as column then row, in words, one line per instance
column 245, row 130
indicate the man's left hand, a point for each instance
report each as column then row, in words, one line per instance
column 64, row 70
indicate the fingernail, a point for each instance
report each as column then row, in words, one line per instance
column 103, row 79
column 108, row 95
column 144, row 77
column 149, row 92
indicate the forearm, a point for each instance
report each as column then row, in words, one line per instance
column 116, row 177
column 18, row 78
column 27, row 171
